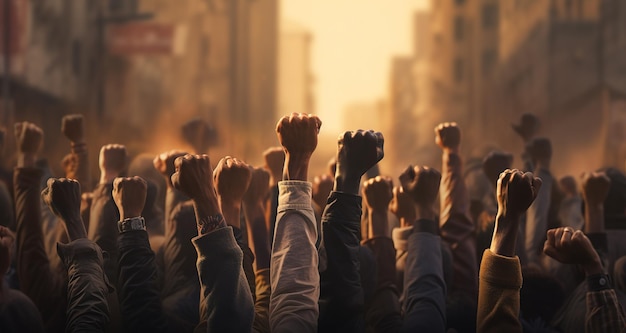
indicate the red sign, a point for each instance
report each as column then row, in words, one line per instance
column 18, row 18
column 140, row 38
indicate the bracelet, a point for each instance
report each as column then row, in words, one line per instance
column 210, row 223
column 130, row 224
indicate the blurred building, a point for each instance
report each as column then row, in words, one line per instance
column 295, row 78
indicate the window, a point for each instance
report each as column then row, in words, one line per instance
column 458, row 70
column 490, row 16
column 459, row 28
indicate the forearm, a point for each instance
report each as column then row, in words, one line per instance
column 225, row 300
column 138, row 291
column 294, row 275
column 604, row 313
column 342, row 299
column 537, row 218
column 257, row 234
column 83, row 173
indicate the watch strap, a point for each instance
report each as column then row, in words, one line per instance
column 130, row 224
column 598, row 282
column 210, row 223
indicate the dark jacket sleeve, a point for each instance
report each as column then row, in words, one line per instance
column 43, row 286
column 103, row 227
column 341, row 297
column 87, row 289
column 139, row 298
column 225, row 299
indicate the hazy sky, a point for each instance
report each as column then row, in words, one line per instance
column 353, row 43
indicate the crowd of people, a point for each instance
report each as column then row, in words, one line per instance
column 239, row 248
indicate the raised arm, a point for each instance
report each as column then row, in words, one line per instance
column 87, row 288
column 342, row 299
column 500, row 270
column 74, row 129
column 293, row 267
column 138, row 291
column 274, row 163
column 164, row 163
column 225, row 297
column 457, row 228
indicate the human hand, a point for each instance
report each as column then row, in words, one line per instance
column 199, row 134
column 377, row 193
column 129, row 194
column 402, row 206
column 7, row 238
column 70, row 165
column 357, row 152
column 64, row 199
column 164, row 163
column 422, row 184
column 112, row 161
column 73, row 128
column 232, row 178
column 259, row 186
column 495, row 163
column 572, row 247
column 595, row 188
column 298, row 136
column 515, row 192
column 29, row 138
column 448, row 136
column 322, row 186
column 274, row 163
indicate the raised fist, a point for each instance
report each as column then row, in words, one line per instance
column 199, row 135
column 357, row 152
column 322, row 186
column 72, row 127
column 164, row 163
column 194, row 176
column 595, row 188
column 274, row 162
column 422, row 184
column 129, row 194
column 298, row 133
column 259, row 186
column 402, row 205
column 232, row 178
column 495, row 163
column 29, row 137
column 70, row 165
column 112, row 159
column 448, row 136
column 572, row 247
column 63, row 197
column 515, row 192
column 377, row 193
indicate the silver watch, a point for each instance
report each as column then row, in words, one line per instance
column 129, row 224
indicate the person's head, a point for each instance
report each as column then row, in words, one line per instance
column 495, row 163
column 540, row 150
column 528, row 126
column 615, row 203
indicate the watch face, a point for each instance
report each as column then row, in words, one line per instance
column 136, row 224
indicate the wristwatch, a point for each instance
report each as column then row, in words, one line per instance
column 129, row 224
column 210, row 223
column 598, row 282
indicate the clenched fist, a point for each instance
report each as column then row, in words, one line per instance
column 298, row 136
column 164, row 163
column 422, row 184
column 112, row 161
column 73, row 128
column 572, row 247
column 357, row 152
column 515, row 192
column 64, row 199
column 322, row 186
column 448, row 136
column 274, row 163
column 194, row 176
column 259, row 186
column 595, row 188
column 232, row 178
column 29, row 138
column 129, row 194
column 377, row 193
column 402, row 206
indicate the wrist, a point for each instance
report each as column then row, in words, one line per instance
column 451, row 150
column 231, row 212
column 26, row 160
column 107, row 178
column 126, row 214
column 296, row 167
column 379, row 224
column 504, row 236
column 348, row 185
column 593, row 268
column 424, row 211
column 75, row 229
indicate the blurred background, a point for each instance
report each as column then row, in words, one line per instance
column 139, row 69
